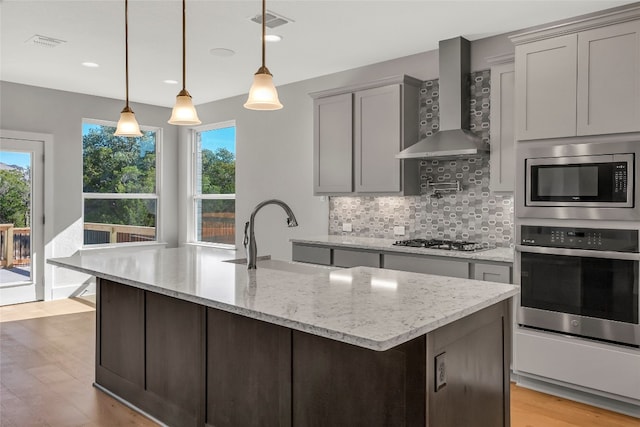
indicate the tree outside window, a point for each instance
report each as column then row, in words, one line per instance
column 119, row 185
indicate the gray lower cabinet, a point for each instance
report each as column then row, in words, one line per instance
column 355, row 258
column 491, row 272
column 421, row 264
column 426, row 264
column 311, row 254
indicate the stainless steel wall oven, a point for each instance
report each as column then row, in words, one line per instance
column 580, row 281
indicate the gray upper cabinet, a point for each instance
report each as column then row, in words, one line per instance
column 358, row 130
column 378, row 138
column 609, row 79
column 546, row 88
column 579, row 79
column 333, row 147
column 502, row 164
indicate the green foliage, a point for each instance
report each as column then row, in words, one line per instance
column 114, row 164
column 218, row 172
column 15, row 198
column 121, row 211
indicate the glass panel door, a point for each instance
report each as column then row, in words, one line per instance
column 20, row 220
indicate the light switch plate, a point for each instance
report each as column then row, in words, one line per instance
column 440, row 371
column 398, row 230
column 347, row 226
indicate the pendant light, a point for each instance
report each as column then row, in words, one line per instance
column 184, row 113
column 263, row 94
column 127, row 125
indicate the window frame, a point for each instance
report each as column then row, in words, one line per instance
column 157, row 196
column 194, row 197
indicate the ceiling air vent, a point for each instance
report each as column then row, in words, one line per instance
column 44, row 41
column 272, row 20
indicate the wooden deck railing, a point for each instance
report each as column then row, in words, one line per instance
column 15, row 245
column 97, row 233
column 219, row 227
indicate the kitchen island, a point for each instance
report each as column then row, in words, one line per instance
column 193, row 340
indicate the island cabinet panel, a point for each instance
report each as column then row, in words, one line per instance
column 337, row 384
column 174, row 374
column 468, row 367
column 120, row 326
column 248, row 372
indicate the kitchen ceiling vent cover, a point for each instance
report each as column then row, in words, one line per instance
column 272, row 19
column 44, row 41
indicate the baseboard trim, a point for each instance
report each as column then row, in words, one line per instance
column 73, row 291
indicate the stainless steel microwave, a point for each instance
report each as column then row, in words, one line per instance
column 604, row 181
column 581, row 181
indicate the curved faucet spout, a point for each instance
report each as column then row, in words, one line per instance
column 249, row 235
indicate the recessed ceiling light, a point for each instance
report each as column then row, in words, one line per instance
column 272, row 38
column 90, row 64
column 221, row 51
column 170, row 82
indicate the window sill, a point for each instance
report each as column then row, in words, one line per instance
column 212, row 245
column 136, row 246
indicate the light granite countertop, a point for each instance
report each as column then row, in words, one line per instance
column 368, row 307
column 386, row 245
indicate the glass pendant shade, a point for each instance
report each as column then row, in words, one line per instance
column 184, row 113
column 128, row 125
column 263, row 94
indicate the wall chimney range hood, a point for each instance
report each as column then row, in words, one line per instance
column 454, row 139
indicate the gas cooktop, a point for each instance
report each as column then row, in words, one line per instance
column 448, row 245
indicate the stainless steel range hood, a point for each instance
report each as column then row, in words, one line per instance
column 454, row 139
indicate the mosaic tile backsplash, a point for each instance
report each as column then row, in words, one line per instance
column 473, row 214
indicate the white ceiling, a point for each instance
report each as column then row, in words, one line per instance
column 326, row 37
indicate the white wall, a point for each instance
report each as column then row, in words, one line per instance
column 275, row 148
column 34, row 109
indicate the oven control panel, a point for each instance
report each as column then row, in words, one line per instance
column 600, row 239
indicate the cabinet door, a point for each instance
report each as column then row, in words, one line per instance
column 354, row 258
column 311, row 254
column 492, row 273
column 378, row 136
column 609, row 79
column 502, row 174
column 333, row 144
column 546, row 88
column 418, row 264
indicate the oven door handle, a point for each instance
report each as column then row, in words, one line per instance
column 578, row 252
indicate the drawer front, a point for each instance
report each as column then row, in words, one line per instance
column 492, row 273
column 311, row 254
column 349, row 258
column 440, row 267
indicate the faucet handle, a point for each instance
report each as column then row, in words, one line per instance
column 245, row 242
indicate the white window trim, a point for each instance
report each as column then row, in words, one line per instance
column 193, row 197
column 157, row 195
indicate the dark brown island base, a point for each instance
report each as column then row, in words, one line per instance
column 190, row 365
column 191, row 340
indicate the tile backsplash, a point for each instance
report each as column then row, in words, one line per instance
column 473, row 213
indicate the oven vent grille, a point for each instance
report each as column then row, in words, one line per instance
column 44, row 41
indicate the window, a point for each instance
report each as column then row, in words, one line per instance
column 120, row 190
column 214, row 182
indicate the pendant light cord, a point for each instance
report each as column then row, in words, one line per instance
column 264, row 31
column 126, row 51
column 184, row 45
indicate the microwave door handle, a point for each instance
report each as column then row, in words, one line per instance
column 578, row 252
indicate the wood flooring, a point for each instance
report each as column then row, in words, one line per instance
column 47, row 370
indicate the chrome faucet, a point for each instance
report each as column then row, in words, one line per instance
column 250, row 238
